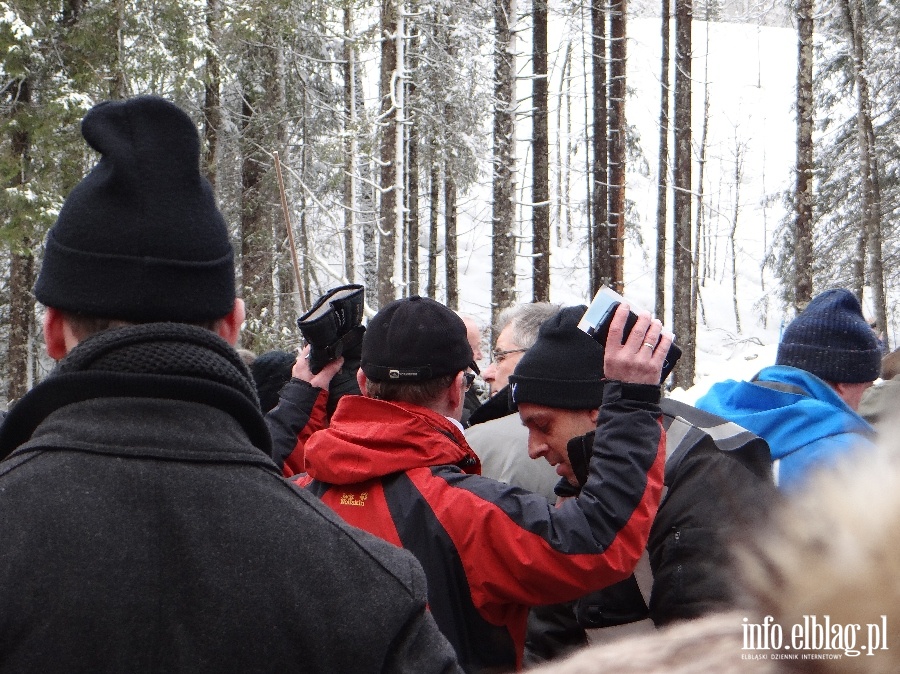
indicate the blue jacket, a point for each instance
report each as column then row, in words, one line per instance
column 803, row 419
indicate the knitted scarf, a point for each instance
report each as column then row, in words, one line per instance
column 153, row 360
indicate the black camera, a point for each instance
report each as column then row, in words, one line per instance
column 333, row 327
column 597, row 318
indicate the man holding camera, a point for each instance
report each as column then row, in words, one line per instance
column 395, row 463
column 718, row 481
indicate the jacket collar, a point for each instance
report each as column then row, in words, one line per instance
column 146, row 428
column 371, row 438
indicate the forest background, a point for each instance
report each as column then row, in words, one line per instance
column 720, row 162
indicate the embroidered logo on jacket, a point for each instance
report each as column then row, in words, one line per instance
column 353, row 500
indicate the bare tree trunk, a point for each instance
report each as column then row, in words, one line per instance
column 21, row 271
column 399, row 82
column 257, row 247
column 683, row 376
column 388, row 159
column 662, row 171
column 350, row 144
column 617, row 152
column 540, row 187
column 450, row 252
column 868, row 166
column 367, row 201
column 212, row 113
column 433, row 210
column 562, row 161
column 602, row 269
column 699, row 223
column 503, row 276
column 738, row 178
column 118, row 83
column 21, row 265
column 412, row 172
column 803, row 195
column 303, row 293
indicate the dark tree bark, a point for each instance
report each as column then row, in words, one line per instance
column 540, row 148
column 256, row 229
column 21, row 271
column 350, row 155
column 412, row 174
column 602, row 269
column 433, row 210
column 662, row 171
column 617, row 153
column 450, row 252
column 503, row 276
column 212, row 112
column 868, row 166
column 803, row 195
column 683, row 375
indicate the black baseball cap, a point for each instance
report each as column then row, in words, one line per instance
column 415, row 339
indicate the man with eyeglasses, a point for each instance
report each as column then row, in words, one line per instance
column 394, row 462
column 495, row 432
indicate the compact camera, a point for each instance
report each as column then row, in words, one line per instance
column 598, row 316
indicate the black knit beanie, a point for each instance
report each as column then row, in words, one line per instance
column 140, row 238
column 831, row 339
column 563, row 369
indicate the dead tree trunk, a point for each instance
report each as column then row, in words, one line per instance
column 803, row 196
column 540, row 147
column 683, row 375
column 868, row 166
column 450, row 252
column 212, row 112
column 662, row 170
column 503, row 275
column 21, row 270
column 602, row 270
column 388, row 161
column 617, row 151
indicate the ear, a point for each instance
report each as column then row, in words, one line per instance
column 229, row 327
column 55, row 330
column 595, row 414
column 361, row 380
column 456, row 394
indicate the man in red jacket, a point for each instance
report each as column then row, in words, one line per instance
column 394, row 462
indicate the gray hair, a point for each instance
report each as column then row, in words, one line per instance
column 525, row 320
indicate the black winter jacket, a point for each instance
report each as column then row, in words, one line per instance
column 718, row 484
column 145, row 529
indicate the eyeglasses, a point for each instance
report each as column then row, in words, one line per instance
column 469, row 379
column 499, row 356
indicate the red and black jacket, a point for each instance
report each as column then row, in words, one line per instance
column 489, row 550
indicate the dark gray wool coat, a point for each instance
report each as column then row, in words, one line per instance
column 142, row 530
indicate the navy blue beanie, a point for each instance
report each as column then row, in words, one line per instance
column 564, row 368
column 140, row 238
column 832, row 340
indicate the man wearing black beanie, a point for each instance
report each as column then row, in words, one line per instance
column 144, row 524
column 717, row 475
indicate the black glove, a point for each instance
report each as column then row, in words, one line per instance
column 333, row 327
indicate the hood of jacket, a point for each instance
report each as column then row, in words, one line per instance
column 370, row 438
column 788, row 421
